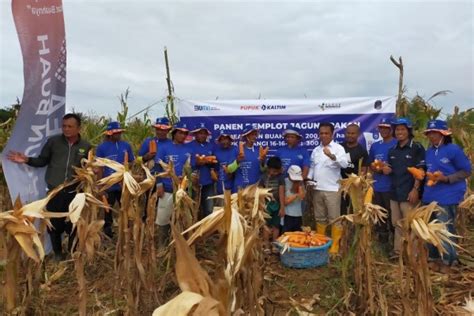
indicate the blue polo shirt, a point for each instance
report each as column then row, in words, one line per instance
column 145, row 147
column 178, row 153
column 249, row 169
column 225, row 156
column 114, row 151
column 205, row 149
column 400, row 158
column 448, row 159
column 379, row 151
column 293, row 156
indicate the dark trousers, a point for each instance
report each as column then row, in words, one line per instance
column 60, row 203
column 207, row 205
column 292, row 223
column 112, row 197
column 345, row 204
column 384, row 229
column 147, row 197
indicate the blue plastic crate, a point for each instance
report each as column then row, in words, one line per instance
column 302, row 258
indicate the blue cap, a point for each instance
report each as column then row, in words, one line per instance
column 181, row 126
column 402, row 121
column 292, row 131
column 113, row 128
column 162, row 123
column 223, row 133
column 247, row 130
column 385, row 122
column 200, row 126
column 438, row 126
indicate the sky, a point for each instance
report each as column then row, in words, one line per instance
column 255, row 49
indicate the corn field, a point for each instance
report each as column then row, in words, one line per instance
column 216, row 266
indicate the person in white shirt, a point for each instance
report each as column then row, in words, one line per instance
column 327, row 160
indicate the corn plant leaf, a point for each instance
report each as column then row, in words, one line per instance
column 189, row 273
column 181, row 305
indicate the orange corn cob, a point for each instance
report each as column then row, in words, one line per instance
column 152, row 147
column 433, row 178
column 210, row 159
column 417, row 173
column 241, row 149
column 377, row 164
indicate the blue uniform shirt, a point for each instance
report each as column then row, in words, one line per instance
column 379, row 151
column 293, row 156
column 145, row 147
column 249, row 169
column 114, row 151
column 178, row 153
column 225, row 157
column 205, row 149
column 448, row 159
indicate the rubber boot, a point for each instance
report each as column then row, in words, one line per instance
column 336, row 234
column 321, row 229
column 163, row 237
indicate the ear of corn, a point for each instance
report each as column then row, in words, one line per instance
column 377, row 165
column 433, row 178
column 241, row 149
column 417, row 173
column 152, row 148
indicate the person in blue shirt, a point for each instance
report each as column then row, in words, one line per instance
column 405, row 189
column 162, row 128
column 179, row 152
column 147, row 153
column 113, row 148
column 250, row 164
column 226, row 154
column 379, row 151
column 449, row 189
column 200, row 147
column 293, row 153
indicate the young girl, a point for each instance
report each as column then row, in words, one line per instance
column 294, row 194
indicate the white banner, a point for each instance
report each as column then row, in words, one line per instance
column 271, row 117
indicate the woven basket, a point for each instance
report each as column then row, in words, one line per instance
column 303, row 258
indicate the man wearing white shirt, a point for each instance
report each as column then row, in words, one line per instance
column 327, row 160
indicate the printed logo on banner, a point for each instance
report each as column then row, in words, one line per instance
column 327, row 105
column 378, row 105
column 273, row 107
column 198, row 108
column 250, row 107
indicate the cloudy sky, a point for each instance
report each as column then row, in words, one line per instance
column 243, row 50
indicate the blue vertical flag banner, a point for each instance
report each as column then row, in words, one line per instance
column 40, row 28
column 272, row 117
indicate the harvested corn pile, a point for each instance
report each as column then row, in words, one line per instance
column 302, row 239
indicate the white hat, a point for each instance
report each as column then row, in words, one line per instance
column 295, row 174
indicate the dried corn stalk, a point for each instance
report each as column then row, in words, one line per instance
column 18, row 230
column 418, row 230
column 359, row 258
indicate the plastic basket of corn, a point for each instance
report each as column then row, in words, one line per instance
column 303, row 257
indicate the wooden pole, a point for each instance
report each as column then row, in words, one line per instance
column 401, row 110
column 170, row 111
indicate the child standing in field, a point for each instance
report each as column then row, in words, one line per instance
column 273, row 179
column 294, row 194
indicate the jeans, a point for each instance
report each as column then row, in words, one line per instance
column 448, row 216
column 207, row 205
